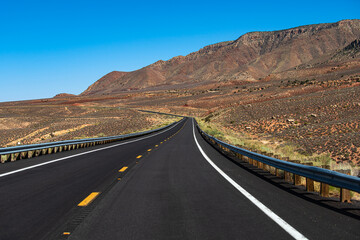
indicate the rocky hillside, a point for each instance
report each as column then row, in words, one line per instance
column 350, row 51
column 251, row 57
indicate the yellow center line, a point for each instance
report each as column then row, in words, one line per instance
column 156, row 145
column 123, row 169
column 66, row 233
column 88, row 199
column 161, row 142
column 149, row 150
column 139, row 156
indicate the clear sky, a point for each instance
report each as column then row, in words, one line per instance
column 55, row 46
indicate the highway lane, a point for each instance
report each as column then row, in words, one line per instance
column 174, row 193
column 35, row 201
column 170, row 192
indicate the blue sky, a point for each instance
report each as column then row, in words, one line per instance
column 49, row 47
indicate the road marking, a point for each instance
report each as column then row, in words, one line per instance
column 79, row 154
column 284, row 225
column 161, row 142
column 123, row 169
column 88, row 199
column 66, row 233
column 149, row 150
column 156, row 145
column 139, row 156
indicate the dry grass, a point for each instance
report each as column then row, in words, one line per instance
column 47, row 123
column 246, row 141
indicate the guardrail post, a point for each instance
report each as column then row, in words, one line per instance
column 345, row 193
column 239, row 156
column 23, row 155
column 44, row 151
column 261, row 164
column 37, row 153
column 30, row 154
column 14, row 156
column 297, row 178
column 250, row 160
column 276, row 170
column 268, row 167
column 5, row 158
column 50, row 150
column 309, row 182
column 287, row 175
column 254, row 162
column 324, row 188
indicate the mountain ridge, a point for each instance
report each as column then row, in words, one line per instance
column 250, row 57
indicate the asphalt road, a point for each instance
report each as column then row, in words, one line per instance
column 172, row 185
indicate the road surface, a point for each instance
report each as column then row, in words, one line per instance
column 168, row 185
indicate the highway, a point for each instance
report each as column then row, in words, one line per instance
column 167, row 185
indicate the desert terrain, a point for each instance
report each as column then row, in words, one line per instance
column 29, row 123
column 294, row 93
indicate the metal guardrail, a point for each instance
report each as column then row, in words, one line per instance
column 323, row 176
column 34, row 150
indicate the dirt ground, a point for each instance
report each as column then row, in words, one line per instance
column 315, row 110
column 37, row 123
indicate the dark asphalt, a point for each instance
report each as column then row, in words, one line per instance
column 171, row 193
column 35, row 201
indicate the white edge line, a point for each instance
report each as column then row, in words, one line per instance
column 79, row 154
column 287, row 227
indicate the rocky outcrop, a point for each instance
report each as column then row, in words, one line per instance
column 64, row 95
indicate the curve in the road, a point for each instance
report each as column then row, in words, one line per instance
column 160, row 187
